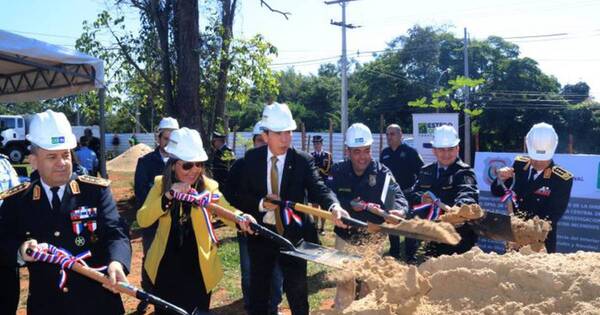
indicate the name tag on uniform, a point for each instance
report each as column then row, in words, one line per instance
column 344, row 190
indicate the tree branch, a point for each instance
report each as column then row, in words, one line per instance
column 285, row 14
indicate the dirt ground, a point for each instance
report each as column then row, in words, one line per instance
column 122, row 188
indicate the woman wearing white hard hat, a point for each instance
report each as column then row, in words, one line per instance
column 542, row 188
column 182, row 262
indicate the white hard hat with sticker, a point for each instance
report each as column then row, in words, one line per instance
column 358, row 135
column 51, row 130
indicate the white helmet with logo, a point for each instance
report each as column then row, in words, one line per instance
column 258, row 128
column 541, row 142
column 445, row 137
column 358, row 135
column 168, row 123
column 185, row 144
column 278, row 117
column 51, row 130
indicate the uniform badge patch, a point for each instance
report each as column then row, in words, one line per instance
column 37, row 192
column 372, row 180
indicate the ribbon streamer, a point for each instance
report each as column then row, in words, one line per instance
column 64, row 258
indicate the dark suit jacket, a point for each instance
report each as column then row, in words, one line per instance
column 300, row 183
column 27, row 214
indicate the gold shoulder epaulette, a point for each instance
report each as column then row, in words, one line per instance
column 562, row 173
column 94, row 180
column 13, row 191
column 522, row 158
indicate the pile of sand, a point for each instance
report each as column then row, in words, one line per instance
column 458, row 215
column 480, row 283
column 127, row 161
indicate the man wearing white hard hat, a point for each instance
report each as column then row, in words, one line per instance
column 277, row 278
column 359, row 182
column 75, row 213
column 542, row 188
column 148, row 167
column 279, row 171
column 449, row 180
column 182, row 261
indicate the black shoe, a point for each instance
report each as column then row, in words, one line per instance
column 142, row 307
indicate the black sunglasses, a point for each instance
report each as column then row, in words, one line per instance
column 188, row 165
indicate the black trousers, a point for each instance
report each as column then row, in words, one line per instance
column 263, row 255
column 9, row 290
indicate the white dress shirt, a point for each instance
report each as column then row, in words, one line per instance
column 269, row 217
column 61, row 191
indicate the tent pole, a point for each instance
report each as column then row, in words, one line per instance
column 102, row 157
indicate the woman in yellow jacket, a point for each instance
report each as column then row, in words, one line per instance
column 182, row 262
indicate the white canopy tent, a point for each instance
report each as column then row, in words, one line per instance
column 32, row 70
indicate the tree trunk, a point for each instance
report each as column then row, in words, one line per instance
column 187, row 41
column 227, row 17
column 160, row 17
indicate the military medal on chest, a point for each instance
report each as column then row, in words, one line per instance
column 84, row 218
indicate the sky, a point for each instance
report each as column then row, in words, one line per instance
column 307, row 39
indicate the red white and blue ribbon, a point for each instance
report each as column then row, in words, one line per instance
column 64, row 258
column 83, row 213
column 201, row 200
column 77, row 227
column 509, row 195
column 434, row 208
column 288, row 214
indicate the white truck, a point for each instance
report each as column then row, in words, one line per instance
column 13, row 129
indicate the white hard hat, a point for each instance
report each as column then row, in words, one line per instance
column 445, row 137
column 258, row 128
column 51, row 131
column 168, row 123
column 358, row 135
column 185, row 144
column 541, row 142
column 278, row 117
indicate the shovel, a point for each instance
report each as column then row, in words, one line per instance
column 55, row 257
column 491, row 225
column 395, row 220
column 306, row 250
column 371, row 227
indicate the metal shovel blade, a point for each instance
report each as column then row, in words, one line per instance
column 493, row 226
column 321, row 255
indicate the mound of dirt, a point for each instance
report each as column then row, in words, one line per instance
column 479, row 283
column 127, row 161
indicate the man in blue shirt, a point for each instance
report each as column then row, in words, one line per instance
column 87, row 157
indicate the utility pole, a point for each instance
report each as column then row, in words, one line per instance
column 344, row 60
column 466, row 91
